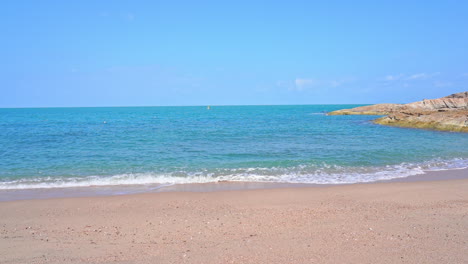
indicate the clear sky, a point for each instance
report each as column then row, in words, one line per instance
column 129, row 53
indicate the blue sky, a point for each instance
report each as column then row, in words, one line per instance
column 129, row 53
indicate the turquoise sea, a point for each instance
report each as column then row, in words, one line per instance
column 158, row 146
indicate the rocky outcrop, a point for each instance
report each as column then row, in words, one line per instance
column 458, row 95
column 457, row 101
column 456, row 121
column 378, row 109
column 449, row 113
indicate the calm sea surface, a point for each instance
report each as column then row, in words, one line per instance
column 73, row 147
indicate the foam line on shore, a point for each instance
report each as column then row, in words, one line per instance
column 297, row 175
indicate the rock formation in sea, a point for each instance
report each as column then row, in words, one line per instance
column 448, row 113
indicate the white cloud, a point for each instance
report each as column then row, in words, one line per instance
column 418, row 76
column 412, row 77
column 393, row 77
column 422, row 76
column 442, row 84
column 302, row 84
column 342, row 81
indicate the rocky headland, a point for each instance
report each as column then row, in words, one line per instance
column 448, row 113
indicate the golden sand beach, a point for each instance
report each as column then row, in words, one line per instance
column 394, row 222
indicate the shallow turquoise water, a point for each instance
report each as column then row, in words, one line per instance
column 68, row 147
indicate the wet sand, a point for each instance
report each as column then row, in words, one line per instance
column 93, row 191
column 391, row 222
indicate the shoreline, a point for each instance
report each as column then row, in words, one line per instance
column 386, row 222
column 119, row 190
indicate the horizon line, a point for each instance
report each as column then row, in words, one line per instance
column 204, row 105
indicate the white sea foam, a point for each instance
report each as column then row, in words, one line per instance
column 323, row 174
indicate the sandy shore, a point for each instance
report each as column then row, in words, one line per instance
column 396, row 222
column 48, row 193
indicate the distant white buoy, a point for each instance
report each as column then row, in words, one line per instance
column 105, row 122
column 208, row 107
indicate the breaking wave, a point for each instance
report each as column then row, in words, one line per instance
column 309, row 174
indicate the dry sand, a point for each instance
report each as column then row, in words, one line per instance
column 398, row 222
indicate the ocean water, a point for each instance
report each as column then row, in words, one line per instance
column 122, row 146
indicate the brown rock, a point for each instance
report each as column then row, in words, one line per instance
column 448, row 113
column 456, row 121
column 458, row 95
column 378, row 109
column 441, row 103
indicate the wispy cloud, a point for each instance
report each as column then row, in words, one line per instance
column 301, row 84
column 393, row 77
column 410, row 77
column 422, row 76
column 442, row 84
column 342, row 81
column 307, row 84
column 418, row 76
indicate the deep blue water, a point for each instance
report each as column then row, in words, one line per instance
column 66, row 147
